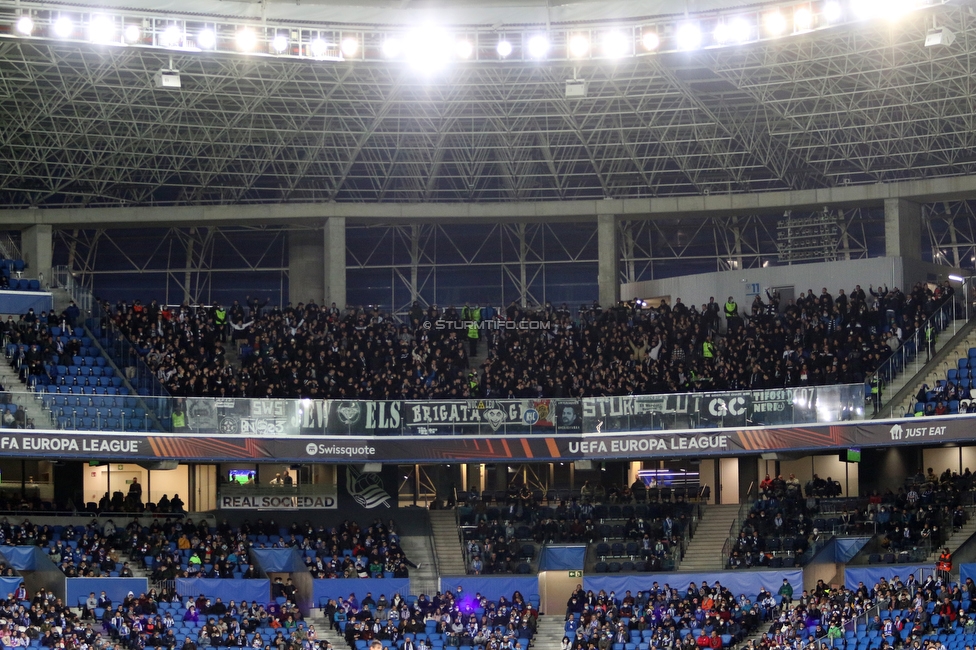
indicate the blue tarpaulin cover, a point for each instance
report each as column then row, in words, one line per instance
column 738, row 582
column 227, row 589
column 114, row 588
column 562, row 558
column 342, row 587
column 869, row 575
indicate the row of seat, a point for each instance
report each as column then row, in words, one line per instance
column 106, row 424
column 85, row 390
column 22, row 284
column 52, row 401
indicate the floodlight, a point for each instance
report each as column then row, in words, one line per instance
column 246, row 39
column 802, row 20
column 349, row 46
column 101, row 29
column 318, row 47
column 689, row 36
column 206, row 39
column 579, row 46
column 939, row 36
column 956, row 278
column 614, row 45
column 171, row 36
column 722, row 33
column 132, row 33
column 279, row 43
column 832, row 11
column 464, row 48
column 775, row 23
column 392, row 47
column 740, row 30
column 504, row 48
column 25, row 25
column 650, row 40
column 538, row 46
column 63, row 27
column 429, row 48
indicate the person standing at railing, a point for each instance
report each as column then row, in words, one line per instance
column 944, row 565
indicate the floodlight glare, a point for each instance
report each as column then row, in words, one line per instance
column 318, row 47
column 802, row 20
column 538, row 46
column 246, row 39
column 740, row 30
column 101, row 29
column 171, row 36
column 504, row 48
column 63, row 27
column 25, row 25
column 614, row 45
column 279, row 43
column 722, row 33
column 775, row 23
column 464, row 48
column 864, row 9
column 392, row 47
column 579, row 46
column 689, row 36
column 349, row 46
column 206, row 39
column 650, row 40
column 428, row 49
column 832, row 11
column 132, row 33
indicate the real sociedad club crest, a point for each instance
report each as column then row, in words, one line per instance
column 366, row 489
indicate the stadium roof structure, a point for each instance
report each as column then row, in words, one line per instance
column 859, row 102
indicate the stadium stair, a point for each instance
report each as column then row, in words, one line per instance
column 323, row 627
column 550, row 632
column 22, row 398
column 704, row 553
column 447, row 546
column 419, row 550
column 956, row 540
column 901, row 392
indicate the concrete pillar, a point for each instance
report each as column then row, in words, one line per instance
column 335, row 262
column 903, row 229
column 37, row 247
column 608, row 257
column 306, row 267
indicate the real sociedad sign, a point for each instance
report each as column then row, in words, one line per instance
column 276, row 502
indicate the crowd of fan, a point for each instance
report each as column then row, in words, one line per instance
column 178, row 549
column 697, row 618
column 306, row 351
column 499, row 539
column 814, row 340
column 313, row 351
column 164, row 620
column 451, row 619
column 915, row 614
column 789, row 520
column 43, row 621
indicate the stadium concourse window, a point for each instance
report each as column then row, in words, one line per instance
column 788, row 523
column 623, row 528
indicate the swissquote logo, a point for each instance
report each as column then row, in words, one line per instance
column 896, row 432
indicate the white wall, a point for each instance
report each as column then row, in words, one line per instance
column 696, row 289
column 117, row 477
column 941, row 458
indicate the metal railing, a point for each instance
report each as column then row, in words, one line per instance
column 908, row 355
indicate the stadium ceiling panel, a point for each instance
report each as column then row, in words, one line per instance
column 85, row 124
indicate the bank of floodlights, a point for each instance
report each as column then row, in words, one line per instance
column 429, row 48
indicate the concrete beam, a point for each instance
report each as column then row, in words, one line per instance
column 37, row 247
column 903, row 229
column 922, row 191
column 608, row 261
